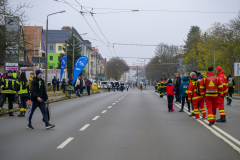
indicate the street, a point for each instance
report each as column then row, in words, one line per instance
column 131, row 125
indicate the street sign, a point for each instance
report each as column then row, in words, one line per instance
column 39, row 60
column 236, row 69
column 11, row 68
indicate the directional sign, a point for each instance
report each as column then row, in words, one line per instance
column 39, row 60
column 236, row 69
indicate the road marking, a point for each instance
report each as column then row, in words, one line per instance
column 65, row 143
column 84, row 127
column 110, row 107
column 119, row 99
column 94, row 119
column 113, row 103
column 116, row 101
column 104, row 111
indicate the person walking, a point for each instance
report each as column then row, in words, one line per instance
column 231, row 86
column 109, row 86
column 224, row 81
column 32, row 75
column 23, row 94
column 183, row 89
column 88, row 84
column 141, row 86
column 9, row 86
column 170, row 95
column 39, row 97
column 58, row 82
column 127, row 86
column 77, row 86
column 63, row 85
column 54, row 83
column 177, row 86
column 211, row 87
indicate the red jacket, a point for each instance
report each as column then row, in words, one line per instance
column 192, row 90
column 170, row 89
column 224, row 81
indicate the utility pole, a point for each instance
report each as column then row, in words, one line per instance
column 137, row 74
column 105, row 69
column 73, row 55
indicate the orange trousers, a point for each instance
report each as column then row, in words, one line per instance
column 201, row 105
column 212, row 108
column 221, row 106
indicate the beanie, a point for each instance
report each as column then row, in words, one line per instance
column 210, row 69
column 169, row 81
column 38, row 71
column 192, row 74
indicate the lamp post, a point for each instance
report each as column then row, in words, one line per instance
column 46, row 70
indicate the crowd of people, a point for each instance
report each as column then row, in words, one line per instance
column 195, row 89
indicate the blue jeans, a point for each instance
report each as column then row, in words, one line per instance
column 42, row 106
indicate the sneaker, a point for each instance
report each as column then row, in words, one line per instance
column 204, row 118
column 181, row 110
column 50, row 126
column 30, row 126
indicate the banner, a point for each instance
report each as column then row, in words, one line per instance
column 63, row 63
column 79, row 66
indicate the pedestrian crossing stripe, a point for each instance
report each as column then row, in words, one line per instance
column 211, row 84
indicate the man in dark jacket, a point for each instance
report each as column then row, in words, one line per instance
column 54, row 83
column 231, row 86
column 177, row 86
column 38, row 97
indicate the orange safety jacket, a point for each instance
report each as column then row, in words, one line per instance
column 224, row 81
column 203, row 86
column 192, row 90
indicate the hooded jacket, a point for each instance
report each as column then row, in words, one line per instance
column 38, row 89
column 224, row 81
column 183, row 87
column 170, row 89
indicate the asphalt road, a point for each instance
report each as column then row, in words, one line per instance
column 131, row 125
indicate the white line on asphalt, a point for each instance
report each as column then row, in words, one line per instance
column 104, row 111
column 94, row 119
column 84, row 127
column 65, row 143
column 113, row 103
column 116, row 101
column 110, row 107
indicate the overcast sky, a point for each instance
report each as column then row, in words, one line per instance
column 143, row 27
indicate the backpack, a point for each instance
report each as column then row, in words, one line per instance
column 198, row 87
column 211, row 85
column 230, row 82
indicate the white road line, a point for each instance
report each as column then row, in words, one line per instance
column 113, row 103
column 116, row 101
column 65, row 143
column 84, row 127
column 94, row 119
column 104, row 111
column 110, row 107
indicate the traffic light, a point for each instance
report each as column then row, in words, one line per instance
column 159, row 62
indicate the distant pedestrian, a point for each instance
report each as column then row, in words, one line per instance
column 170, row 95
column 127, row 86
column 177, row 86
column 231, row 86
column 77, row 86
column 58, row 85
column 109, row 86
column 54, row 83
column 141, row 86
column 39, row 97
column 88, row 84
column 183, row 94
column 63, row 85
column 70, row 80
column 81, row 85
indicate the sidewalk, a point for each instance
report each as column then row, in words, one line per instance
column 236, row 97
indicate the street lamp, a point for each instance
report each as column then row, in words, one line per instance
column 46, row 70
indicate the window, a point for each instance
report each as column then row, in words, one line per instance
column 50, row 67
column 51, row 58
column 51, row 47
column 43, row 55
column 60, row 48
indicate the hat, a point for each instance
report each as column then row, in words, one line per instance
column 38, row 71
column 169, row 81
column 210, row 69
column 9, row 71
column 218, row 68
column 192, row 74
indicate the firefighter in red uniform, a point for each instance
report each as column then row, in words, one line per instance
column 211, row 87
column 223, row 79
column 195, row 95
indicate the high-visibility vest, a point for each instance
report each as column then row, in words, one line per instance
column 15, row 75
column 23, row 87
column 211, row 85
column 9, row 84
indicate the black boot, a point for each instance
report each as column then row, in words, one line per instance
column 210, row 123
column 192, row 115
column 222, row 119
column 21, row 114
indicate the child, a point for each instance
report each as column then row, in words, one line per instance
column 170, row 95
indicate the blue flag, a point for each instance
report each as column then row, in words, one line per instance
column 79, row 66
column 63, row 63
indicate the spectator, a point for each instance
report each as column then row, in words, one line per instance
column 109, row 86
column 177, row 87
column 231, row 86
column 170, row 95
column 70, row 80
column 88, row 84
column 54, row 83
column 183, row 94
column 81, row 85
column 58, row 85
column 63, row 85
column 77, row 85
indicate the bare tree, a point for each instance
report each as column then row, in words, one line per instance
column 116, row 67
